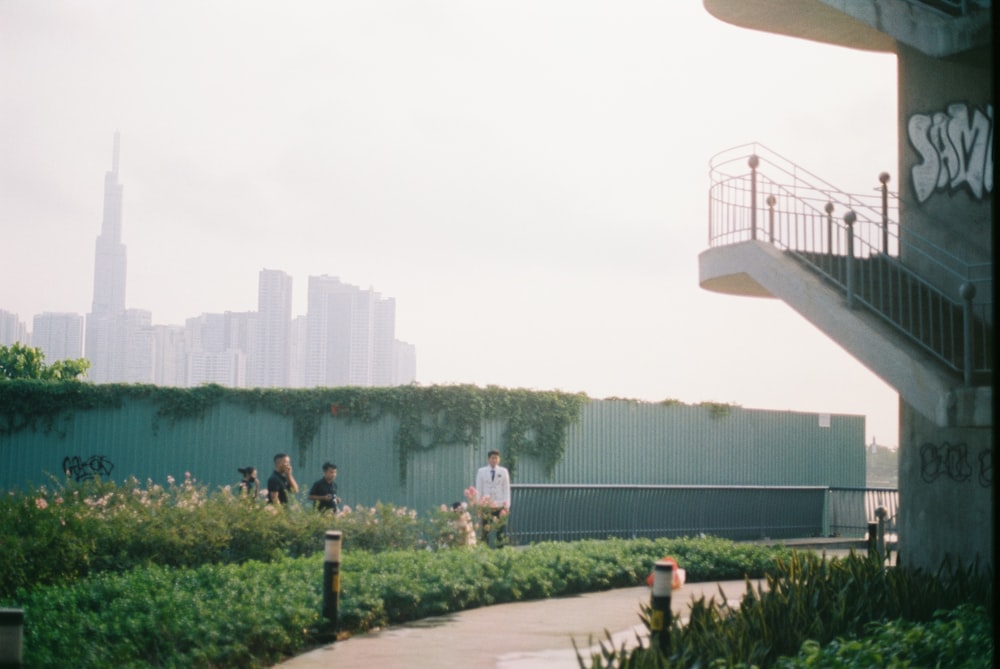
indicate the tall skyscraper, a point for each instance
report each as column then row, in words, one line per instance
column 109, row 281
column 59, row 335
column 272, row 348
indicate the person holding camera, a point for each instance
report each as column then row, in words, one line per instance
column 249, row 484
column 324, row 492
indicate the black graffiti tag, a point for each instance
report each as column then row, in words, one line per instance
column 82, row 470
column 951, row 460
column 986, row 468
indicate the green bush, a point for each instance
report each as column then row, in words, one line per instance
column 961, row 638
column 806, row 603
column 254, row 614
column 61, row 533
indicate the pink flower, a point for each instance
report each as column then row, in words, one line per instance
column 41, row 503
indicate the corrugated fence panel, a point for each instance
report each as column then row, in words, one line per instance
column 614, row 442
column 622, row 442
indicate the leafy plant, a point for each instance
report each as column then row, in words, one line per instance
column 536, row 423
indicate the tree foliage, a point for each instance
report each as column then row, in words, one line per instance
column 18, row 361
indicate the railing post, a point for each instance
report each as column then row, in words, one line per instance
column 770, row 218
column 872, row 539
column 849, row 218
column 753, row 162
column 884, row 180
column 659, row 604
column 881, row 514
column 968, row 292
column 829, row 227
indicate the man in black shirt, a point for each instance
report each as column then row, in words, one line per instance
column 324, row 491
column 281, row 480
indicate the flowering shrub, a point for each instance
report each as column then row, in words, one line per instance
column 62, row 532
column 491, row 517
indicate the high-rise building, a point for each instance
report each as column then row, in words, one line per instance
column 351, row 335
column 170, row 365
column 272, row 348
column 297, row 357
column 404, row 365
column 216, row 348
column 59, row 335
column 134, row 347
column 109, row 283
column 12, row 330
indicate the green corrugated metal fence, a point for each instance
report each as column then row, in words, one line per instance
column 615, row 442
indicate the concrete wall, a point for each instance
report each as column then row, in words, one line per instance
column 946, row 192
column 945, row 142
column 945, row 491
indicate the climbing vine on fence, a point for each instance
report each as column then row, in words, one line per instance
column 535, row 423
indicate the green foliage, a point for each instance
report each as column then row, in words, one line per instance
column 961, row 638
column 806, row 604
column 67, row 532
column 151, row 576
column 717, row 409
column 254, row 614
column 18, row 361
column 535, row 423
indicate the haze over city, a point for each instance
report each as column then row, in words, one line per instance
column 528, row 180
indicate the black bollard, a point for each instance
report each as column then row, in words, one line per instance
column 331, row 579
column 659, row 603
column 11, row 636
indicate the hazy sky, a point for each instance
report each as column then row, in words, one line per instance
column 527, row 178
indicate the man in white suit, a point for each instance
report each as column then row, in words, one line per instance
column 493, row 481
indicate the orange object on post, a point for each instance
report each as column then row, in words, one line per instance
column 679, row 575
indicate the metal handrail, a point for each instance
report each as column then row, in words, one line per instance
column 853, row 241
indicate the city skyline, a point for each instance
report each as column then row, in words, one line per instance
column 528, row 181
column 347, row 334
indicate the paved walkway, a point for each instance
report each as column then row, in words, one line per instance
column 520, row 635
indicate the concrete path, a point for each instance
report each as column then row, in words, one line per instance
column 520, row 635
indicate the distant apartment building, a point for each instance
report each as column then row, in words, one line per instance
column 269, row 362
column 216, row 348
column 59, row 335
column 170, row 363
column 12, row 330
column 404, row 363
column 350, row 335
column 135, row 347
column 297, row 355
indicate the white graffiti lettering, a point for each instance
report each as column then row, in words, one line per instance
column 956, row 149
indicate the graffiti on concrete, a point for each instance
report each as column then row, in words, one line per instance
column 82, row 470
column 956, row 150
column 953, row 461
column 986, row 468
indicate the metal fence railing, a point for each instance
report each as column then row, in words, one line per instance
column 740, row 513
column 854, row 241
column 850, row 510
